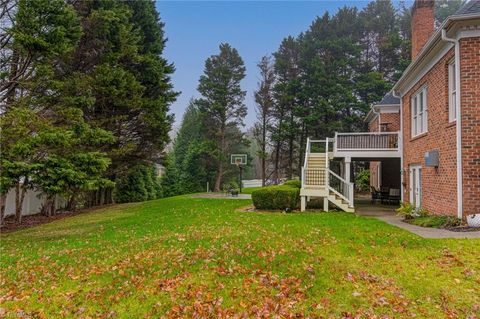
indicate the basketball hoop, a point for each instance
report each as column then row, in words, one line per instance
column 239, row 160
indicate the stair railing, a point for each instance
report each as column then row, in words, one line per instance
column 307, row 151
column 340, row 187
column 327, row 165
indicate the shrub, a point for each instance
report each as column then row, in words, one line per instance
column 276, row 197
column 408, row 211
column 230, row 186
column 436, row 221
column 293, row 183
column 362, row 180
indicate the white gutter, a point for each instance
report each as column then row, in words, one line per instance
column 400, row 146
column 458, row 124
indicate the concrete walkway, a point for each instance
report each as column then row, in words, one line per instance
column 387, row 214
column 222, row 196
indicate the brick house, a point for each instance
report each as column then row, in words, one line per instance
column 424, row 136
column 440, row 112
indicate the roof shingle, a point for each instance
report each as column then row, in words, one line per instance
column 472, row 6
column 389, row 99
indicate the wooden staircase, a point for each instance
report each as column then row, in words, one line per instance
column 319, row 181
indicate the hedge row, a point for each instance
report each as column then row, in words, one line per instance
column 277, row 197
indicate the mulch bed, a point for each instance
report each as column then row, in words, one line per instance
column 463, row 229
column 29, row 221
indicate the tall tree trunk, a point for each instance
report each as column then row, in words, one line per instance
column 218, row 179
column 291, row 138
column 72, row 203
column 48, row 206
column 3, row 203
column 20, row 192
column 102, row 195
column 277, row 162
column 277, row 155
column 290, row 158
column 264, row 150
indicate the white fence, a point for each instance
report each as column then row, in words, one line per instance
column 252, row 183
column 32, row 204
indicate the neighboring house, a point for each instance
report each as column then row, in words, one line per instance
column 427, row 128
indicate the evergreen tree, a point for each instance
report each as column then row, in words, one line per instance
column 189, row 166
column 222, row 105
column 140, row 184
column 265, row 101
column 330, row 74
column 287, row 89
column 124, row 81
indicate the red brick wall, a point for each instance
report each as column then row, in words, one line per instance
column 373, row 124
column 470, row 108
column 393, row 120
column 439, row 185
column 422, row 24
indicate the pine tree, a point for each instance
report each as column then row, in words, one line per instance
column 124, row 81
column 188, row 165
column 37, row 35
column 265, row 100
column 287, row 89
column 222, row 104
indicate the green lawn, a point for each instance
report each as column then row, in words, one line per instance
column 192, row 257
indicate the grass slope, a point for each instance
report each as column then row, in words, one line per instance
column 192, row 257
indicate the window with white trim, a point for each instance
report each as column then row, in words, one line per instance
column 452, row 92
column 419, row 112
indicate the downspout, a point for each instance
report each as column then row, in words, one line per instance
column 378, row 116
column 458, row 124
column 379, row 177
column 400, row 146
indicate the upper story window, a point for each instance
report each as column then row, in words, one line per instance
column 419, row 112
column 452, row 92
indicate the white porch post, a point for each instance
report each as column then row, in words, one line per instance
column 346, row 170
column 325, row 204
column 302, row 203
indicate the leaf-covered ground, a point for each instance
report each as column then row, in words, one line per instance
column 197, row 258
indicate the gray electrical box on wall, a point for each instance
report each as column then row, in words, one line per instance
column 431, row 158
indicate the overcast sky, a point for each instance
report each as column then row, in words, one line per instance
column 196, row 28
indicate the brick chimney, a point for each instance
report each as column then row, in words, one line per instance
column 423, row 24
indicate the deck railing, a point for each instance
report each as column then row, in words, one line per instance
column 368, row 141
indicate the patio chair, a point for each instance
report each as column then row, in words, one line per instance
column 394, row 196
column 376, row 195
column 384, row 192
